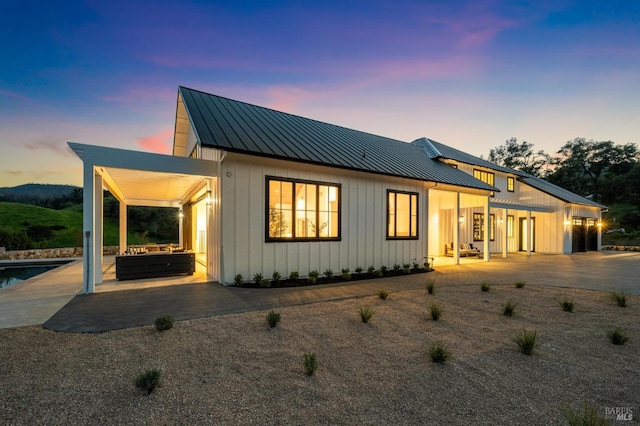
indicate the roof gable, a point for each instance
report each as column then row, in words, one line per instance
column 241, row 127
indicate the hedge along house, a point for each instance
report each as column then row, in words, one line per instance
column 263, row 191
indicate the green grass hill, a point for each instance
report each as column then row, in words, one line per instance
column 47, row 228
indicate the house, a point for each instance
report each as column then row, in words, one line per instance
column 262, row 191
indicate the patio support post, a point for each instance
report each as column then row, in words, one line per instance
column 88, row 217
column 505, row 234
column 528, row 232
column 456, row 231
column 122, row 243
column 487, row 233
column 599, row 234
column 98, row 242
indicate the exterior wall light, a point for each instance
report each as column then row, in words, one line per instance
column 567, row 222
column 461, row 219
column 599, row 224
column 180, row 215
column 500, row 221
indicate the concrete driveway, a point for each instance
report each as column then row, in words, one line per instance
column 51, row 297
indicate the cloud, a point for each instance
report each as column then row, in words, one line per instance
column 56, row 145
column 14, row 95
column 160, row 143
column 14, row 172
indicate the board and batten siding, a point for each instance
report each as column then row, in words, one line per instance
column 363, row 221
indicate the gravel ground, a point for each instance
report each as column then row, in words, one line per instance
column 233, row 369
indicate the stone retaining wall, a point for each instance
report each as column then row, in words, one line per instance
column 621, row 248
column 50, row 253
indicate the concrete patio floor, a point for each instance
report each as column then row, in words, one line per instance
column 51, row 298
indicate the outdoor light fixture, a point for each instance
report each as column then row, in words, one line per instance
column 180, row 214
column 461, row 219
column 500, row 221
column 567, row 222
column 599, row 224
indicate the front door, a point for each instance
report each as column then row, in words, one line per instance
column 523, row 240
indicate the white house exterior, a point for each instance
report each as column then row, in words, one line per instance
column 262, row 191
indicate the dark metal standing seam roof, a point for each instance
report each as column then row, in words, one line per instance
column 244, row 128
column 535, row 182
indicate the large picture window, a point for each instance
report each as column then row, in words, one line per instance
column 478, row 227
column 302, row 210
column 402, row 215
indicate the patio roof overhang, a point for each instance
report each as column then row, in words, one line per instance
column 146, row 179
column 519, row 205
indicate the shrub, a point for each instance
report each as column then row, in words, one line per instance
column 587, row 417
column 526, row 341
column 313, row 277
column 238, row 280
column 371, row 269
column 430, row 285
column 164, row 323
column 620, row 298
column 328, row 273
column 436, row 311
column 406, row 266
column 618, row 336
column 148, row 380
column 257, row 279
column 359, row 269
column 379, row 273
column 346, row 274
column 366, row 313
column 294, row 275
column 265, row 283
column 273, row 318
column 384, row 269
column 310, row 363
column 485, row 286
column 415, row 265
column 276, row 277
column 439, row 353
column 509, row 308
column 567, row 305
column 383, row 294
column 396, row 269
column 406, row 271
column 519, row 284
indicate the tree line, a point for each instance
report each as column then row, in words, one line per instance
column 602, row 171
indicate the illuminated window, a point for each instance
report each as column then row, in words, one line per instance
column 302, row 210
column 402, row 215
column 478, row 227
column 486, row 177
column 511, row 184
column 510, row 226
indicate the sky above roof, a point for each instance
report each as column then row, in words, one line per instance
column 469, row 74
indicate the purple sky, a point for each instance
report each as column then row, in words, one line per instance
column 470, row 74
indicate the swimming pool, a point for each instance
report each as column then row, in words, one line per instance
column 10, row 275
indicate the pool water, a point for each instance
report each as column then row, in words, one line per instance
column 11, row 275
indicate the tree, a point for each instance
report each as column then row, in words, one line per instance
column 580, row 166
column 519, row 156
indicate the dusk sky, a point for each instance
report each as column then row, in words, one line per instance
column 469, row 74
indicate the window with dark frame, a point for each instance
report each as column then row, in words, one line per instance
column 301, row 210
column 511, row 184
column 478, row 227
column 486, row 177
column 402, row 215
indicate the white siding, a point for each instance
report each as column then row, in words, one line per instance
column 363, row 209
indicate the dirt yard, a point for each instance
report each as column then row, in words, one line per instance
column 235, row 370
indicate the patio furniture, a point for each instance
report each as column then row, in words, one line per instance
column 154, row 265
column 466, row 250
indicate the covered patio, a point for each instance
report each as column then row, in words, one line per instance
column 143, row 179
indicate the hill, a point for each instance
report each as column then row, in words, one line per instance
column 47, row 228
column 37, row 190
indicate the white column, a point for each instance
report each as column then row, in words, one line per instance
column 456, row 230
column 122, row 222
column 98, row 196
column 505, row 235
column 487, row 227
column 528, row 232
column 88, row 217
